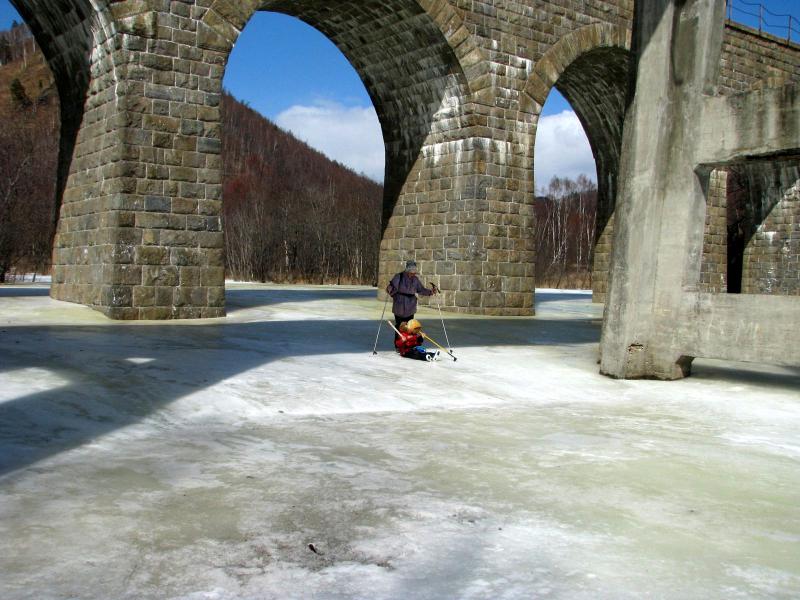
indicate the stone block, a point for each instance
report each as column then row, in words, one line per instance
column 159, row 275
column 190, row 276
column 116, row 296
column 177, row 239
column 192, row 190
column 156, row 313
column 469, row 267
column 185, row 144
column 187, row 257
column 152, row 255
column 165, row 295
column 468, row 299
column 183, row 174
column 216, row 297
column 213, row 277
column 215, row 257
column 143, row 296
column 120, row 313
column 184, row 206
column 209, row 145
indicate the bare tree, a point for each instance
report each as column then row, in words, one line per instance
column 564, row 232
column 27, row 193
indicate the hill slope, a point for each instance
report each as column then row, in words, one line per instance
column 291, row 213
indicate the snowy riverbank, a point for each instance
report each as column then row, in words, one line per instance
column 199, row 460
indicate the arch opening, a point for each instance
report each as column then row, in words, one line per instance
column 566, row 200
column 595, row 83
column 407, row 66
column 417, row 86
column 294, row 212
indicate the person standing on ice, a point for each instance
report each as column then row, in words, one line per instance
column 403, row 288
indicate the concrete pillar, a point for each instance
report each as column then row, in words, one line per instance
column 661, row 204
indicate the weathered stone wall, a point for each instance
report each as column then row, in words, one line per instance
column 760, row 202
column 714, row 267
column 80, row 51
column 772, row 255
column 458, row 86
column 752, row 60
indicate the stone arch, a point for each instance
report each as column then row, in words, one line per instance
column 591, row 68
column 221, row 24
column 415, row 58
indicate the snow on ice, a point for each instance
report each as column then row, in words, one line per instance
column 204, row 460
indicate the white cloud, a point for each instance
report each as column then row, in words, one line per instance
column 562, row 149
column 348, row 134
column 352, row 136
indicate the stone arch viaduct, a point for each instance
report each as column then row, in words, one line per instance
column 668, row 94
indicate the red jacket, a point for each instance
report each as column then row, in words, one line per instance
column 407, row 342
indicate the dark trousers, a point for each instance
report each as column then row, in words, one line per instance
column 418, row 354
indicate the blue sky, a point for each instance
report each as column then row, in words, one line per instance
column 294, row 75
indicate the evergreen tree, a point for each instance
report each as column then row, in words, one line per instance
column 18, row 95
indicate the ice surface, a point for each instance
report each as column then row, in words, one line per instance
column 198, row 461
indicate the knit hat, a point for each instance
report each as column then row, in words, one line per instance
column 411, row 266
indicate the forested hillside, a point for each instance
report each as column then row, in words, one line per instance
column 290, row 213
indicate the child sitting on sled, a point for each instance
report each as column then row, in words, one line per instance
column 409, row 343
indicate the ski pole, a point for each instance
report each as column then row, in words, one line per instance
column 438, row 345
column 393, row 327
column 439, row 306
column 374, row 348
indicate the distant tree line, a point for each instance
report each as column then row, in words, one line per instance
column 290, row 213
column 564, row 232
column 17, row 43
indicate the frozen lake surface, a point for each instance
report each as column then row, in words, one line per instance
column 201, row 461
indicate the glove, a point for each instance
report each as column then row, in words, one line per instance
column 434, row 289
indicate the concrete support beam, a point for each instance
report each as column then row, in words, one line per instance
column 741, row 327
column 656, row 322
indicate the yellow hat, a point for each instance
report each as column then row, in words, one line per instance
column 413, row 325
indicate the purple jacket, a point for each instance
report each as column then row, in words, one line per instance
column 404, row 289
